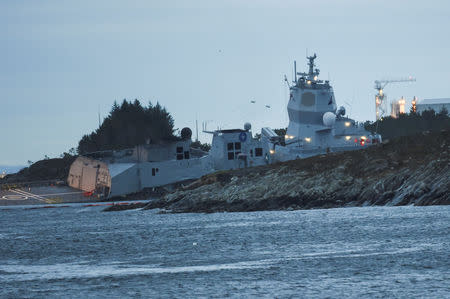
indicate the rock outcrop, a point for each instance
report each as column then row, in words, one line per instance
column 413, row 170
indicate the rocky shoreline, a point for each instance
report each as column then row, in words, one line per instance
column 413, row 170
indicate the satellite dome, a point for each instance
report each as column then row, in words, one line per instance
column 329, row 118
column 247, row 126
column 186, row 133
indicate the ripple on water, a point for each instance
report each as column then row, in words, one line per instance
column 70, row 270
column 392, row 252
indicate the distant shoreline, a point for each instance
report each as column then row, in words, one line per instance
column 413, row 170
column 10, row 169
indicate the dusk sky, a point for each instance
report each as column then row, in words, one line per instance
column 61, row 62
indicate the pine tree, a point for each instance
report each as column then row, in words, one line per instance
column 127, row 125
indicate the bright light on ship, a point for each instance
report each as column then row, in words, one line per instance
column 309, row 82
column 347, row 137
column 315, row 78
column 272, row 151
column 363, row 137
column 347, row 124
column 308, row 139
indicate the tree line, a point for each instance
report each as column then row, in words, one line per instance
column 128, row 125
column 410, row 123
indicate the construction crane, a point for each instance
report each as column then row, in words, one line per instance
column 380, row 97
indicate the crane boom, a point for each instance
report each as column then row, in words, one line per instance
column 381, row 84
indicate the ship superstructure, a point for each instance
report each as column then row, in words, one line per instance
column 316, row 125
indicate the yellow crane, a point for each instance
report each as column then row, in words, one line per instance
column 380, row 97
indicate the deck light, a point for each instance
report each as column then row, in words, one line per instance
column 308, row 139
column 347, row 138
column 347, row 124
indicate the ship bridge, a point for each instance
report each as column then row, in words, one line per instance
column 310, row 99
column 316, row 124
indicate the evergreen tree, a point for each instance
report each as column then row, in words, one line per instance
column 409, row 124
column 127, row 125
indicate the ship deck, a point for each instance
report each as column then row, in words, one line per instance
column 42, row 195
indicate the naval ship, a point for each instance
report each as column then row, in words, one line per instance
column 316, row 126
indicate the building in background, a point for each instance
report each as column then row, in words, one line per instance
column 433, row 104
column 398, row 107
column 414, row 105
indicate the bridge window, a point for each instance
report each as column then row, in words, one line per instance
column 258, row 152
column 230, row 155
column 237, row 145
column 230, row 146
column 186, row 155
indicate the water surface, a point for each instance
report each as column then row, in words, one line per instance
column 351, row 252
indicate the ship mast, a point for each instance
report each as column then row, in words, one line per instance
column 312, row 74
column 311, row 66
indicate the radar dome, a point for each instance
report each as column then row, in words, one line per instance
column 186, row 133
column 247, row 126
column 329, row 118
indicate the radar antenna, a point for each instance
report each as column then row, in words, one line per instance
column 311, row 63
column 312, row 73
